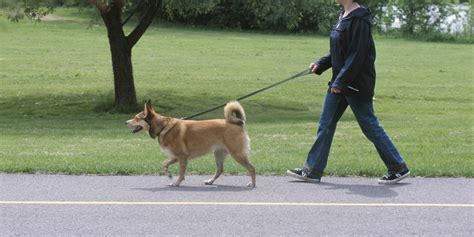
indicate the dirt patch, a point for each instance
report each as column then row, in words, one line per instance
column 59, row 18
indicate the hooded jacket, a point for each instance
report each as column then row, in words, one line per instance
column 352, row 55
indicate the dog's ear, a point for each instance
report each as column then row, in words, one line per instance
column 145, row 108
column 148, row 108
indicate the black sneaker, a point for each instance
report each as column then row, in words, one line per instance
column 303, row 174
column 394, row 177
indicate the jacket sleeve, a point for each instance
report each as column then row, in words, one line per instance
column 357, row 53
column 324, row 64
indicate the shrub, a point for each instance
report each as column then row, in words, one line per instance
column 275, row 15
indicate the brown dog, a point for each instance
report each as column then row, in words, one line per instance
column 182, row 140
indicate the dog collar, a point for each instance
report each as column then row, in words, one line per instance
column 166, row 129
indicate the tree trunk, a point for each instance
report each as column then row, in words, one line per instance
column 121, row 52
column 121, row 46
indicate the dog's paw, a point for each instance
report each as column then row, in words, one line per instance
column 174, row 184
column 251, row 185
column 208, row 182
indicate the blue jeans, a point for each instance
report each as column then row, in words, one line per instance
column 333, row 108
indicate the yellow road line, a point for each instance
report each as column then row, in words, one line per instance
column 306, row 204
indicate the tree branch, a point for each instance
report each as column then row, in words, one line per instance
column 101, row 5
column 145, row 22
column 133, row 13
column 128, row 18
column 104, row 6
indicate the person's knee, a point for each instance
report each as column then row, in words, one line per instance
column 326, row 128
column 372, row 130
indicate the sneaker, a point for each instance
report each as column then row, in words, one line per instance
column 303, row 174
column 392, row 177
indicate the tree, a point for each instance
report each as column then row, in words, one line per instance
column 121, row 45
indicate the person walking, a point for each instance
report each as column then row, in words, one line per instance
column 352, row 58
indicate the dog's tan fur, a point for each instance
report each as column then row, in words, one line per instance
column 182, row 140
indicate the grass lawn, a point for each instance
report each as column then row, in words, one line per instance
column 56, row 80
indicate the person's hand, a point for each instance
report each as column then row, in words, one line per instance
column 313, row 67
column 335, row 90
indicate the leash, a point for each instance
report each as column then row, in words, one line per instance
column 303, row 73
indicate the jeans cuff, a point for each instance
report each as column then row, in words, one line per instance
column 398, row 168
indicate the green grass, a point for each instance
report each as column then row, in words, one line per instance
column 56, row 80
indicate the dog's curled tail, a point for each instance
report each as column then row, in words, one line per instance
column 234, row 113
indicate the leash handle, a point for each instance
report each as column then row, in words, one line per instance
column 300, row 74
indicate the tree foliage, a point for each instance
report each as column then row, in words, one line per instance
column 32, row 9
column 417, row 16
column 274, row 15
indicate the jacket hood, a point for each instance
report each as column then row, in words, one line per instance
column 361, row 12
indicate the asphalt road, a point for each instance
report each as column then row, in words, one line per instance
column 57, row 205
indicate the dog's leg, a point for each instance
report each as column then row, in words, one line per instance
column 183, row 162
column 244, row 161
column 166, row 164
column 220, row 156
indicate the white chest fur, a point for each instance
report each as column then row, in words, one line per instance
column 167, row 152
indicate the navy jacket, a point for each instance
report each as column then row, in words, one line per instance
column 352, row 55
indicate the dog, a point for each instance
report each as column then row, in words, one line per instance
column 182, row 140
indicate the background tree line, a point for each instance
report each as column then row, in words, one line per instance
column 416, row 17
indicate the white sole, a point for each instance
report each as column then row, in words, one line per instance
column 395, row 180
column 289, row 173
